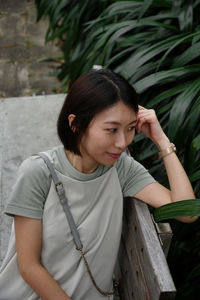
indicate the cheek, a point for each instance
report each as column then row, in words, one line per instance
column 90, row 138
column 97, row 139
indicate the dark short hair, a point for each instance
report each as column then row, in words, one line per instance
column 90, row 94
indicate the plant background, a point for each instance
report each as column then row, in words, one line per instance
column 156, row 46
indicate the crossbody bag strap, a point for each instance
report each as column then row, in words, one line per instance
column 63, row 200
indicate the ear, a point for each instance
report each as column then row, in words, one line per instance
column 71, row 118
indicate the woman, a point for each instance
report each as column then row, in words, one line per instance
column 96, row 124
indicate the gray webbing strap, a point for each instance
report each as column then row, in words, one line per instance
column 63, row 200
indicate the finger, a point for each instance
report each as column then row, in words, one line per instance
column 146, row 115
column 141, row 121
column 141, row 107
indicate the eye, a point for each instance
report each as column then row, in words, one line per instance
column 131, row 128
column 111, row 129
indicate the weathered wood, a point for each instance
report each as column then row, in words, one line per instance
column 164, row 233
column 141, row 257
column 133, row 282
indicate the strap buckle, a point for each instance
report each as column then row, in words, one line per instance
column 58, row 186
column 80, row 248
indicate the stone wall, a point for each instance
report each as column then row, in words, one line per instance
column 22, row 49
column 28, row 125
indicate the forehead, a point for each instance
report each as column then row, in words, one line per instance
column 119, row 112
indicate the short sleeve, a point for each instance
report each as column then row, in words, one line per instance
column 30, row 189
column 132, row 175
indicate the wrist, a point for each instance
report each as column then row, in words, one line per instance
column 165, row 152
column 163, row 143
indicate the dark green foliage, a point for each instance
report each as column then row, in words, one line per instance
column 155, row 44
column 67, row 21
column 177, row 209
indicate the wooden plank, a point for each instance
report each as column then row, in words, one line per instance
column 135, row 285
column 165, row 234
column 147, row 266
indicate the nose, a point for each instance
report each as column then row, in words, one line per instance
column 121, row 141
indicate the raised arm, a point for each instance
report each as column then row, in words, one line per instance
column 29, row 243
column 180, row 188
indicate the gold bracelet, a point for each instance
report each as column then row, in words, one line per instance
column 167, row 151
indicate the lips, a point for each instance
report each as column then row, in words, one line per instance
column 114, row 155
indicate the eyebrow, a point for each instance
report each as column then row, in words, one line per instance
column 118, row 123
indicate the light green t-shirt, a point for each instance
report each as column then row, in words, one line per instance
column 33, row 181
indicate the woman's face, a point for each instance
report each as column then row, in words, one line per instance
column 108, row 135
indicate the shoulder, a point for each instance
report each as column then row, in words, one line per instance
column 33, row 166
column 127, row 163
column 34, row 174
column 30, row 190
column 133, row 176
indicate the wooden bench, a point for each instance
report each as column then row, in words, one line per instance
column 142, row 268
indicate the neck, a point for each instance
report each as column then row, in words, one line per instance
column 80, row 163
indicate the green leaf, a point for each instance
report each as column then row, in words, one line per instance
column 166, row 76
column 166, row 107
column 195, row 176
column 57, row 13
column 143, row 71
column 180, row 41
column 119, row 55
column 194, row 149
column 167, row 94
column 114, row 31
column 146, row 4
column 121, row 6
column 189, row 129
column 181, row 107
column 177, row 209
column 186, row 18
column 187, row 56
column 148, row 151
column 136, row 60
